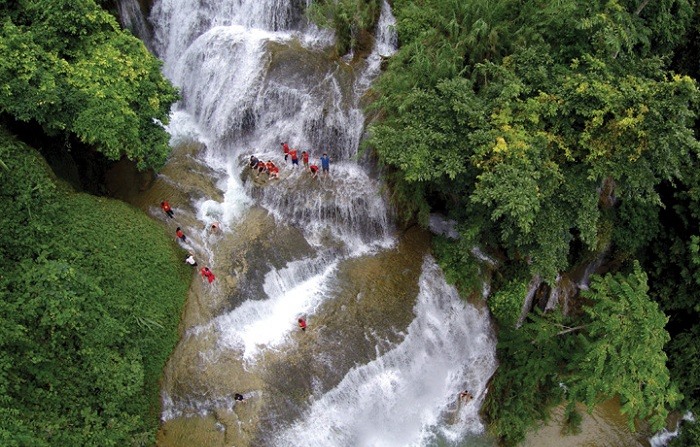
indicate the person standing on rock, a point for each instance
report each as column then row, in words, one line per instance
column 165, row 206
column 302, row 324
column 325, row 164
column 285, row 149
column 180, row 234
column 295, row 158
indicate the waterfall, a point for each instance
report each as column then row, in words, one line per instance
column 664, row 437
column 403, row 396
column 254, row 74
column 132, row 18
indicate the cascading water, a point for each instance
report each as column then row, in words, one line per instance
column 369, row 371
column 407, row 396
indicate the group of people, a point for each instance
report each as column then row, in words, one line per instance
column 290, row 153
column 205, row 272
column 272, row 170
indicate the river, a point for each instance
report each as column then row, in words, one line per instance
column 389, row 343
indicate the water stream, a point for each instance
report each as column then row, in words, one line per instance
column 389, row 343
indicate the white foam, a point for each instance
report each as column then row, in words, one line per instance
column 266, row 324
column 408, row 395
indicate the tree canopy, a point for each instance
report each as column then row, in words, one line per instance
column 90, row 299
column 69, row 67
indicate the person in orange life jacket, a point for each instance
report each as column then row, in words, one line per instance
column 314, row 170
column 294, row 157
column 261, row 167
column 269, row 165
column 275, row 172
column 206, row 273
column 305, row 158
column 285, row 149
column 302, row 324
column 165, row 206
column 180, row 234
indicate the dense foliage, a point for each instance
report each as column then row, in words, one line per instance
column 350, row 19
column 561, row 136
column 68, row 66
column 90, row 298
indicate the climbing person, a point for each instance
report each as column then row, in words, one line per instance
column 302, row 324
column 165, row 206
column 261, row 167
column 253, row 161
column 325, row 163
column 274, row 172
column 190, row 260
column 239, row 398
column 305, row 158
column 466, row 396
column 314, row 170
column 295, row 158
column 180, row 234
column 285, row 149
column 206, row 273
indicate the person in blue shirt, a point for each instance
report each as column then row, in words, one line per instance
column 325, row 163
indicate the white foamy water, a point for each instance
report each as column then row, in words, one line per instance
column 408, row 396
column 294, row 291
column 664, row 437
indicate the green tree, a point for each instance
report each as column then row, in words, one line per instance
column 350, row 19
column 86, row 325
column 67, row 66
column 621, row 350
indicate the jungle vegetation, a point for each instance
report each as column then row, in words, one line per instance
column 561, row 136
column 91, row 289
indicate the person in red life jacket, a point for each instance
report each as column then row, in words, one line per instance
column 294, row 157
column 314, row 170
column 165, row 206
column 261, row 167
column 180, row 234
column 302, row 324
column 285, row 149
column 275, row 172
column 305, row 158
column 269, row 166
column 206, row 273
